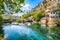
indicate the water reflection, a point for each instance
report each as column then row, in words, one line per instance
column 22, row 32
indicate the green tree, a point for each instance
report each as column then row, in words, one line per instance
column 1, row 21
column 9, row 6
column 27, row 15
column 38, row 15
column 12, row 6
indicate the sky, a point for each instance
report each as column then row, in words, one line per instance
column 32, row 3
column 29, row 4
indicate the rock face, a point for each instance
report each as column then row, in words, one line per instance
column 48, row 5
column 38, row 7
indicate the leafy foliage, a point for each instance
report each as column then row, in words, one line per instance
column 36, row 15
column 56, row 9
column 39, row 15
column 1, row 23
column 26, row 15
column 10, row 6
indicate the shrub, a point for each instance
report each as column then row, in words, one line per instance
column 1, row 23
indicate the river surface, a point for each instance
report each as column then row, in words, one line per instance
column 20, row 32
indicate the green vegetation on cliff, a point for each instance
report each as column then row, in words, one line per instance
column 36, row 15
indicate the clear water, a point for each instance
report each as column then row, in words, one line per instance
column 22, row 32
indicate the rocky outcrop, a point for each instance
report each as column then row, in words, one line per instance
column 48, row 5
column 45, row 4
